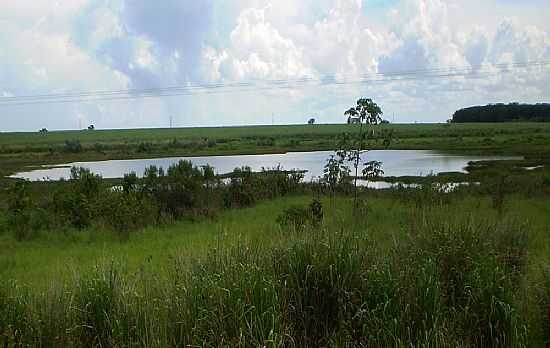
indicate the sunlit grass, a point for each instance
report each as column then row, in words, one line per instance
column 406, row 267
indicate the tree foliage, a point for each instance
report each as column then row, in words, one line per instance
column 351, row 146
column 504, row 113
column 336, row 173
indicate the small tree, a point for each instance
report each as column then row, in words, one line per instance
column 368, row 114
column 129, row 183
column 336, row 173
column 372, row 170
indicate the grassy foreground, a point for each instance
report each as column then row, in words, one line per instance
column 409, row 270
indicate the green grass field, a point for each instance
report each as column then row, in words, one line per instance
column 22, row 149
column 406, row 268
column 40, row 261
column 404, row 131
column 231, row 258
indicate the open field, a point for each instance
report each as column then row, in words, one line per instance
column 402, row 131
column 213, row 283
column 171, row 261
column 338, row 229
column 21, row 149
column 53, row 255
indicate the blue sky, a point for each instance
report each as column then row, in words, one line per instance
column 71, row 46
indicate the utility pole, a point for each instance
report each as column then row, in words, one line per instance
column 272, row 118
column 170, row 121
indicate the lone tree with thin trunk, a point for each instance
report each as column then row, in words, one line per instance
column 367, row 114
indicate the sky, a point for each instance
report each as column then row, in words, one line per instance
column 347, row 49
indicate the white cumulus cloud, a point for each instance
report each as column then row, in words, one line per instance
column 88, row 45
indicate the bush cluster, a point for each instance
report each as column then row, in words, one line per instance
column 299, row 218
column 73, row 146
column 182, row 191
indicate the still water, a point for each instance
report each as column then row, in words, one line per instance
column 395, row 163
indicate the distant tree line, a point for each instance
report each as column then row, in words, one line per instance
column 504, row 113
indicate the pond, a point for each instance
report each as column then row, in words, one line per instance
column 395, row 163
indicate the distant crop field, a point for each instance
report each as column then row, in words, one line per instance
column 18, row 150
column 137, row 135
column 156, row 135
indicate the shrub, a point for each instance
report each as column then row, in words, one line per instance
column 74, row 208
column 293, row 143
column 24, row 217
column 265, row 142
column 276, row 182
column 129, row 183
column 84, row 182
column 98, row 147
column 20, row 207
column 211, row 143
column 127, row 211
column 144, row 147
column 174, row 143
column 240, row 192
column 183, row 191
column 196, row 144
column 151, row 182
column 298, row 217
column 76, row 201
column 428, row 196
column 294, row 217
column 73, row 146
column 185, row 188
column 41, row 220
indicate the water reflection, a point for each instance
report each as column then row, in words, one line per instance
column 395, row 163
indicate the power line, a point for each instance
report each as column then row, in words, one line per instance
column 233, row 84
column 327, row 79
column 256, row 85
column 184, row 91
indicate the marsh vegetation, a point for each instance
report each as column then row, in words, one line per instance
column 183, row 257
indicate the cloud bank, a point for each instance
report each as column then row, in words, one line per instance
column 100, row 45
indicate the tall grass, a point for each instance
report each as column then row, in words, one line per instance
column 544, row 306
column 446, row 284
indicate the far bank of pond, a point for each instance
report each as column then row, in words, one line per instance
column 396, row 163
